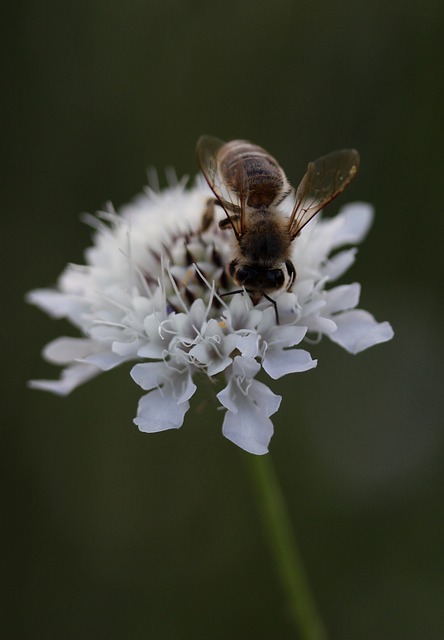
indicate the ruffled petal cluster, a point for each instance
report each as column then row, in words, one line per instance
column 153, row 291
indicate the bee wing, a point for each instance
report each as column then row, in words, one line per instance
column 325, row 179
column 233, row 202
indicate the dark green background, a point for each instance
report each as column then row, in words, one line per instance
column 114, row 534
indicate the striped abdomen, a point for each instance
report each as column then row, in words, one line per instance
column 253, row 174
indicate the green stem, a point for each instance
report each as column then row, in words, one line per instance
column 284, row 548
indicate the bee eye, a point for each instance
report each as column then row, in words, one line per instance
column 275, row 278
column 243, row 274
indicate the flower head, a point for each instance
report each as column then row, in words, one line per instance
column 151, row 291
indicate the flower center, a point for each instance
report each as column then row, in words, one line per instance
column 195, row 263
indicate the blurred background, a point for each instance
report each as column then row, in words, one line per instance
column 117, row 534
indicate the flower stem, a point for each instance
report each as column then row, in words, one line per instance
column 284, row 548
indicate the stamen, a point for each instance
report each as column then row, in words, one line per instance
column 176, row 289
column 210, row 287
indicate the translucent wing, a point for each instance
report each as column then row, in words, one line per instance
column 325, row 179
column 230, row 190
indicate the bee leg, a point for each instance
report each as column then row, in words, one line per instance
column 224, row 223
column 208, row 215
column 228, row 222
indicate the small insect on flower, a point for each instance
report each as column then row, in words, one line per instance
column 153, row 289
column 250, row 186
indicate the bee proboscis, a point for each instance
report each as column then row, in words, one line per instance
column 250, row 186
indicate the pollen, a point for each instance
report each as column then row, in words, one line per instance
column 189, row 274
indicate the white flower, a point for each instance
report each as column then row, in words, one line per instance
column 150, row 292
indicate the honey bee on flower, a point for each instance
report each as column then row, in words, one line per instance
column 152, row 289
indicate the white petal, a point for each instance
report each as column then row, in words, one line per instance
column 127, row 349
column 304, row 288
column 65, row 349
column 354, row 221
column 156, row 343
column 247, row 422
column 149, row 375
column 70, row 378
column 214, row 363
column 250, row 430
column 267, row 401
column 336, row 266
column 184, row 387
column 285, row 336
column 158, row 411
column 358, row 330
column 241, row 315
column 198, row 312
column 227, row 397
column 280, row 363
column 177, row 384
column 153, row 350
column 342, row 298
column 106, row 360
column 248, row 344
column 312, row 307
column 318, row 324
column 56, row 304
column 245, row 368
column 105, row 333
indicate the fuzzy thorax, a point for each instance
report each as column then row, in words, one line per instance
column 266, row 240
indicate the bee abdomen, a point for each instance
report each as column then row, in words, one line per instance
column 247, row 168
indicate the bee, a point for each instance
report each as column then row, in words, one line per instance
column 250, row 186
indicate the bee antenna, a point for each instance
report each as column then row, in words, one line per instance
column 274, row 303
